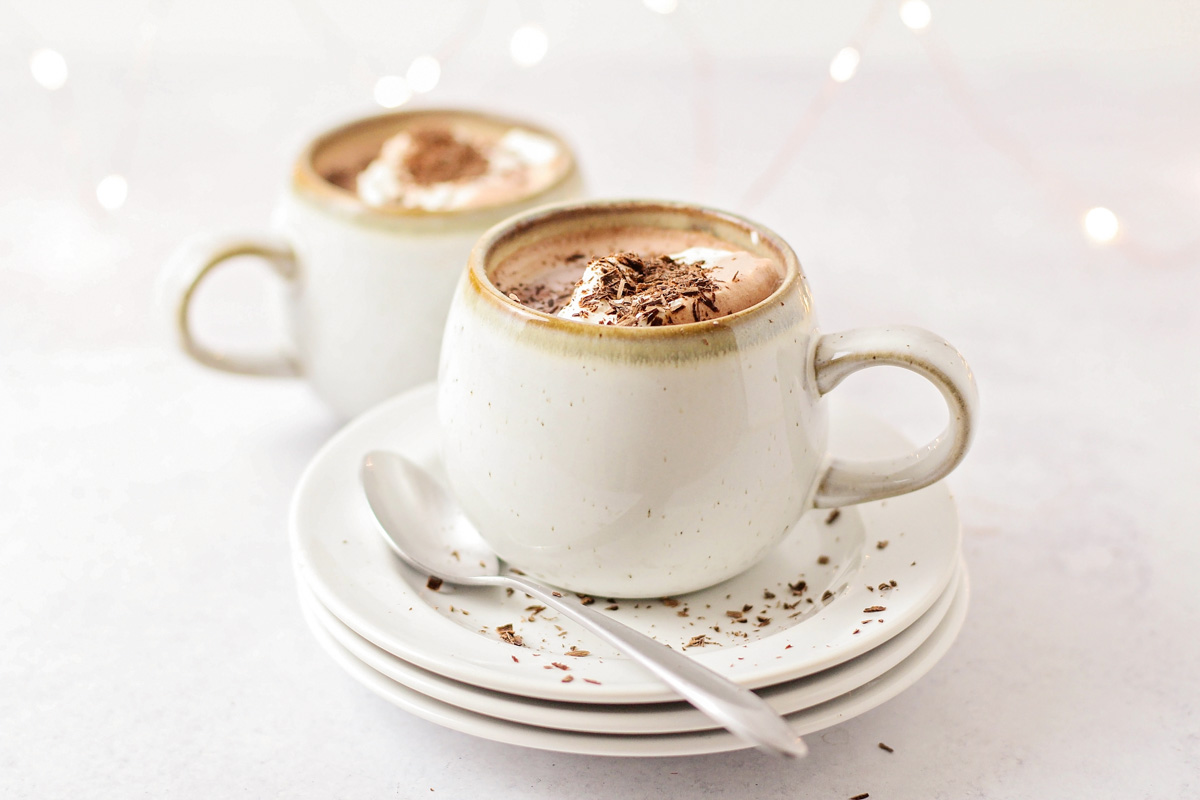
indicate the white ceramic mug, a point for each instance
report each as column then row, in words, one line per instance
column 368, row 287
column 642, row 462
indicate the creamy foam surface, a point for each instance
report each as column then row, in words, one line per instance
column 619, row 276
column 452, row 165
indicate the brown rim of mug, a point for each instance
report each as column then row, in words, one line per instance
column 308, row 181
column 479, row 264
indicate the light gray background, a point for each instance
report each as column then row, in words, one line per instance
column 152, row 643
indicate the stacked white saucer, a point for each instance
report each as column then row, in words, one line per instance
column 850, row 610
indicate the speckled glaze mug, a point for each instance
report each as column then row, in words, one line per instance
column 641, row 462
column 368, row 288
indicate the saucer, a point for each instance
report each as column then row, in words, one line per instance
column 802, row 608
column 645, row 718
column 810, row 720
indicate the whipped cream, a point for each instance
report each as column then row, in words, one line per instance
column 517, row 163
column 737, row 280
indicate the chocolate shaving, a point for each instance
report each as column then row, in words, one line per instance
column 542, row 297
column 436, row 156
column 506, row 633
column 434, row 583
column 645, row 291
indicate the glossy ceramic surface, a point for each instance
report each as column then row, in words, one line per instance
column 339, row 553
column 786, row 698
column 633, row 462
column 856, row 701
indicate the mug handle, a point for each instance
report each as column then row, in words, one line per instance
column 841, row 354
column 188, row 267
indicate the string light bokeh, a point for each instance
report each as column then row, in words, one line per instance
column 529, row 43
column 844, row 64
column 111, row 192
column 423, row 74
column 392, row 91
column 1101, row 225
column 49, row 69
column 661, row 6
column 916, row 14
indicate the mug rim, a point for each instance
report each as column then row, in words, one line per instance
column 308, row 182
column 481, row 255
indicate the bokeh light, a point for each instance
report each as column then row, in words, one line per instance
column 915, row 14
column 391, row 91
column 111, row 192
column 528, row 45
column 661, row 6
column 844, row 64
column 49, row 69
column 1101, row 225
column 423, row 74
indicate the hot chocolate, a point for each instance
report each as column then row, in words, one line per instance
column 637, row 277
column 449, row 162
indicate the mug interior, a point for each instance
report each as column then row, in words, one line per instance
column 516, row 234
column 328, row 167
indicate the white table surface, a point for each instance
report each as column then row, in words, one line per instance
column 152, row 641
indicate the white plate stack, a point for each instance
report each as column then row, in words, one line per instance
column 851, row 609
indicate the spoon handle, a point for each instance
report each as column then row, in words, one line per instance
column 737, row 709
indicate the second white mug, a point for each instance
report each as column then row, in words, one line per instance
column 367, row 286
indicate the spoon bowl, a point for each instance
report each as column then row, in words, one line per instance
column 436, row 538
